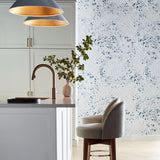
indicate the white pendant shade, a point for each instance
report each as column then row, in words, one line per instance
column 35, row 8
column 51, row 21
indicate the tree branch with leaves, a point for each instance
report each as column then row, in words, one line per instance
column 66, row 67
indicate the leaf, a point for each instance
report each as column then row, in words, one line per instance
column 81, row 67
column 79, row 78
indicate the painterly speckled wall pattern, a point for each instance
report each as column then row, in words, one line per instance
column 124, row 62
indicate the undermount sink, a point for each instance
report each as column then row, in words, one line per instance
column 26, row 99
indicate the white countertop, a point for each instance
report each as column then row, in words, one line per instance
column 48, row 103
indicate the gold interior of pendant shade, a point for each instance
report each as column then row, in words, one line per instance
column 45, row 22
column 35, row 11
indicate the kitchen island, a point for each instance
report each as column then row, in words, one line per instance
column 36, row 131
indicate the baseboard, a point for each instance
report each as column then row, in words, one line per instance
column 130, row 138
column 140, row 138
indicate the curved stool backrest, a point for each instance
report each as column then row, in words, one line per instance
column 113, row 122
column 109, row 107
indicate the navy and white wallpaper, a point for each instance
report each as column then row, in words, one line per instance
column 124, row 62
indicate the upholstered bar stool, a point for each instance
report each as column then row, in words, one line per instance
column 106, row 132
column 99, row 118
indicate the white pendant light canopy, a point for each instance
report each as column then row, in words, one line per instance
column 35, row 8
column 51, row 21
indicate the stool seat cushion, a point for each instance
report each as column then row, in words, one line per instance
column 92, row 119
column 90, row 131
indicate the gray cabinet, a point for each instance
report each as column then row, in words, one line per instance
column 14, row 72
column 35, row 133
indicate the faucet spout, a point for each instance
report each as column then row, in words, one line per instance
column 53, row 74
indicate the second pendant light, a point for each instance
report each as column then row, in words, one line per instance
column 51, row 21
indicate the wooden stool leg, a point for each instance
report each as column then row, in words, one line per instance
column 86, row 150
column 112, row 149
column 89, row 152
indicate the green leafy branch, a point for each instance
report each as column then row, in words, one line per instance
column 66, row 67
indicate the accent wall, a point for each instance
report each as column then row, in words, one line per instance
column 124, row 61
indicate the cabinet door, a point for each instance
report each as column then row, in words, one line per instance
column 13, row 33
column 57, row 37
column 14, row 72
column 42, row 85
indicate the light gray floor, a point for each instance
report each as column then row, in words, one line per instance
column 126, row 150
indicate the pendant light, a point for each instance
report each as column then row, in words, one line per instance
column 35, row 8
column 51, row 21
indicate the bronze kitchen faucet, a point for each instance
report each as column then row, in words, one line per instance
column 53, row 74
